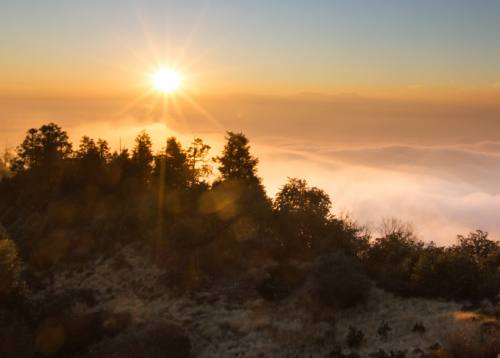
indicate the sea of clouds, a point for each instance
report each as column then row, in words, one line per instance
column 436, row 166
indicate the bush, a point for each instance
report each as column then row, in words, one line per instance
column 339, row 281
column 67, row 334
column 391, row 257
column 419, row 328
column 354, row 337
column 458, row 272
column 10, row 266
column 281, row 280
column 16, row 336
column 383, row 330
column 391, row 354
column 472, row 340
column 158, row 340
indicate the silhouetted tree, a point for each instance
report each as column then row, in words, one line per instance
column 91, row 151
column 239, row 186
column 197, row 157
column 142, row 156
column 172, row 167
column 302, row 214
column 296, row 198
column 236, row 162
column 43, row 146
column 392, row 256
column 60, row 206
column 477, row 245
column 4, row 162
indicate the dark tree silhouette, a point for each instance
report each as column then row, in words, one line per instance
column 296, row 198
column 43, row 146
column 142, row 156
column 197, row 155
column 302, row 214
column 172, row 168
column 236, row 162
column 89, row 150
column 61, row 206
column 239, row 184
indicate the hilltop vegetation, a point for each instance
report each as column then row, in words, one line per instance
column 64, row 206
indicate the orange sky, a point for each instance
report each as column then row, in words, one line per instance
column 392, row 106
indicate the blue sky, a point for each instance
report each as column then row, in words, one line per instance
column 291, row 44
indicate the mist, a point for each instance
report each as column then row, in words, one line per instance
column 376, row 158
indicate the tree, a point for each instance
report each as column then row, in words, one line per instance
column 91, row 151
column 477, row 245
column 4, row 164
column 236, row 162
column 302, row 214
column 44, row 146
column 197, row 157
column 172, row 167
column 142, row 156
column 392, row 257
column 296, row 198
column 340, row 281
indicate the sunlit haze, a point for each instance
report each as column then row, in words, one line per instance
column 393, row 107
column 166, row 80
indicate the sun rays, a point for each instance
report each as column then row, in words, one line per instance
column 168, row 77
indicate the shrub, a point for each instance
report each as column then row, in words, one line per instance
column 383, row 330
column 10, row 266
column 391, row 257
column 354, row 337
column 68, row 334
column 339, row 281
column 280, row 282
column 336, row 352
column 419, row 328
column 456, row 273
column 155, row 341
column 391, row 354
column 16, row 336
column 471, row 340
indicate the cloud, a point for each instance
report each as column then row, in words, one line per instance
column 435, row 164
column 443, row 191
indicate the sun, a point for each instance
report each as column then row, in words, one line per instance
column 166, row 80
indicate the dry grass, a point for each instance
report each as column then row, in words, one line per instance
column 473, row 339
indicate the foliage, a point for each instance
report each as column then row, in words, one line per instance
column 471, row 340
column 62, row 205
column 302, row 214
column 383, row 330
column 339, row 281
column 10, row 266
column 236, row 162
column 197, row 155
column 142, row 156
column 4, row 164
column 419, row 328
column 391, row 257
column 42, row 147
column 354, row 337
column 280, row 282
column 391, row 354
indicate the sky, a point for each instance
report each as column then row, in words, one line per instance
column 251, row 46
column 392, row 106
